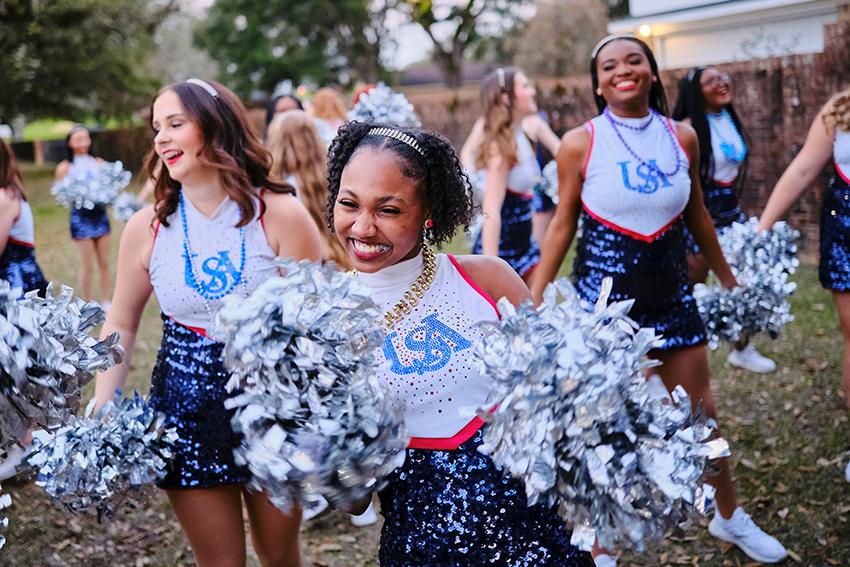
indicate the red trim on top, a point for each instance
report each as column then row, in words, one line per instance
column 631, row 233
column 156, row 229
column 262, row 210
column 21, row 242
column 675, row 133
column 452, row 442
column 589, row 125
column 201, row 331
column 841, row 173
column 724, row 183
column 473, row 285
column 520, row 193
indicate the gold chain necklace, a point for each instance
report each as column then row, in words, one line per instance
column 416, row 292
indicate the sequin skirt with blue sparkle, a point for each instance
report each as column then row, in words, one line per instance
column 517, row 245
column 89, row 223
column 722, row 203
column 834, row 269
column 444, row 508
column 19, row 268
column 654, row 274
column 543, row 203
column 188, row 386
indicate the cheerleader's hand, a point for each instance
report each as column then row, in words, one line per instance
column 729, row 282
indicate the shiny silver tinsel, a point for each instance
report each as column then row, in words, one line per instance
column 46, row 355
column 125, row 206
column 98, row 460
column 83, row 191
column 383, row 105
column 761, row 262
column 5, row 502
column 315, row 420
column 548, row 183
column 577, row 423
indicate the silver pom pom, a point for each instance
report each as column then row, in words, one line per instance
column 85, row 191
column 574, row 419
column 761, row 262
column 548, row 183
column 98, row 460
column 125, row 206
column 47, row 355
column 5, row 502
column 315, row 420
column 383, row 105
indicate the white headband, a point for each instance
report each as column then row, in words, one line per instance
column 204, row 85
column 608, row 39
column 397, row 135
column 500, row 74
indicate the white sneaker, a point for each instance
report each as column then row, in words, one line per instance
column 309, row 513
column 14, row 456
column 741, row 530
column 604, row 560
column 367, row 518
column 750, row 359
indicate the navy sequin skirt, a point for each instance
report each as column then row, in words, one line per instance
column 444, row 508
column 834, row 269
column 19, row 268
column 516, row 242
column 654, row 274
column 542, row 202
column 722, row 203
column 89, row 223
column 188, row 386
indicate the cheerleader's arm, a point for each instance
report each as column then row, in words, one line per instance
column 495, row 188
column 696, row 214
column 10, row 208
column 571, row 156
column 804, row 168
column 132, row 290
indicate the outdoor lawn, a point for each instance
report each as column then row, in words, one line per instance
column 788, row 430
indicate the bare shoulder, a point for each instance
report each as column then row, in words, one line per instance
column 688, row 137
column 284, row 207
column 10, row 204
column 495, row 277
column 576, row 140
column 141, row 225
column 289, row 228
column 62, row 169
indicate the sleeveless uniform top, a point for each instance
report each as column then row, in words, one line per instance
column 525, row 175
column 427, row 362
column 84, row 166
column 634, row 198
column 726, row 145
column 216, row 246
column 841, row 154
column 23, row 231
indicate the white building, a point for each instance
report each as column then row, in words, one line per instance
column 686, row 33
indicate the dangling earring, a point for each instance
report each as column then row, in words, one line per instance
column 428, row 224
column 598, row 92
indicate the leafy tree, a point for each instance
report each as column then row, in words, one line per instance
column 258, row 43
column 560, row 36
column 618, row 9
column 77, row 58
column 469, row 23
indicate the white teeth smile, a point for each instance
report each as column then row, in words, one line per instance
column 171, row 154
column 364, row 248
column 624, row 84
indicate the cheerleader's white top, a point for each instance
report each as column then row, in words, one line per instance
column 216, row 246
column 841, row 153
column 723, row 130
column 635, row 197
column 525, row 175
column 23, row 230
column 427, row 354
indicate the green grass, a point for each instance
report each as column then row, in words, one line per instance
column 788, row 430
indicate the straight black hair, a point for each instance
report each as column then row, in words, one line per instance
column 657, row 98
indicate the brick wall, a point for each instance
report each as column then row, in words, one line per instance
column 776, row 98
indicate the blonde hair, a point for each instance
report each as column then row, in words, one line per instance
column 298, row 150
column 328, row 105
column 498, row 135
column 837, row 113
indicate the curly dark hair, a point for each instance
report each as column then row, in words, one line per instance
column 443, row 186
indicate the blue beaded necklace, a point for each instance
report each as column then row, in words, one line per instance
column 193, row 276
column 728, row 148
column 653, row 115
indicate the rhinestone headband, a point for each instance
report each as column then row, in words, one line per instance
column 608, row 39
column 397, row 135
column 204, row 85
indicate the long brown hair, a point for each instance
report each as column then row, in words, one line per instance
column 230, row 147
column 498, row 117
column 10, row 175
column 298, row 150
column 328, row 105
column 837, row 112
